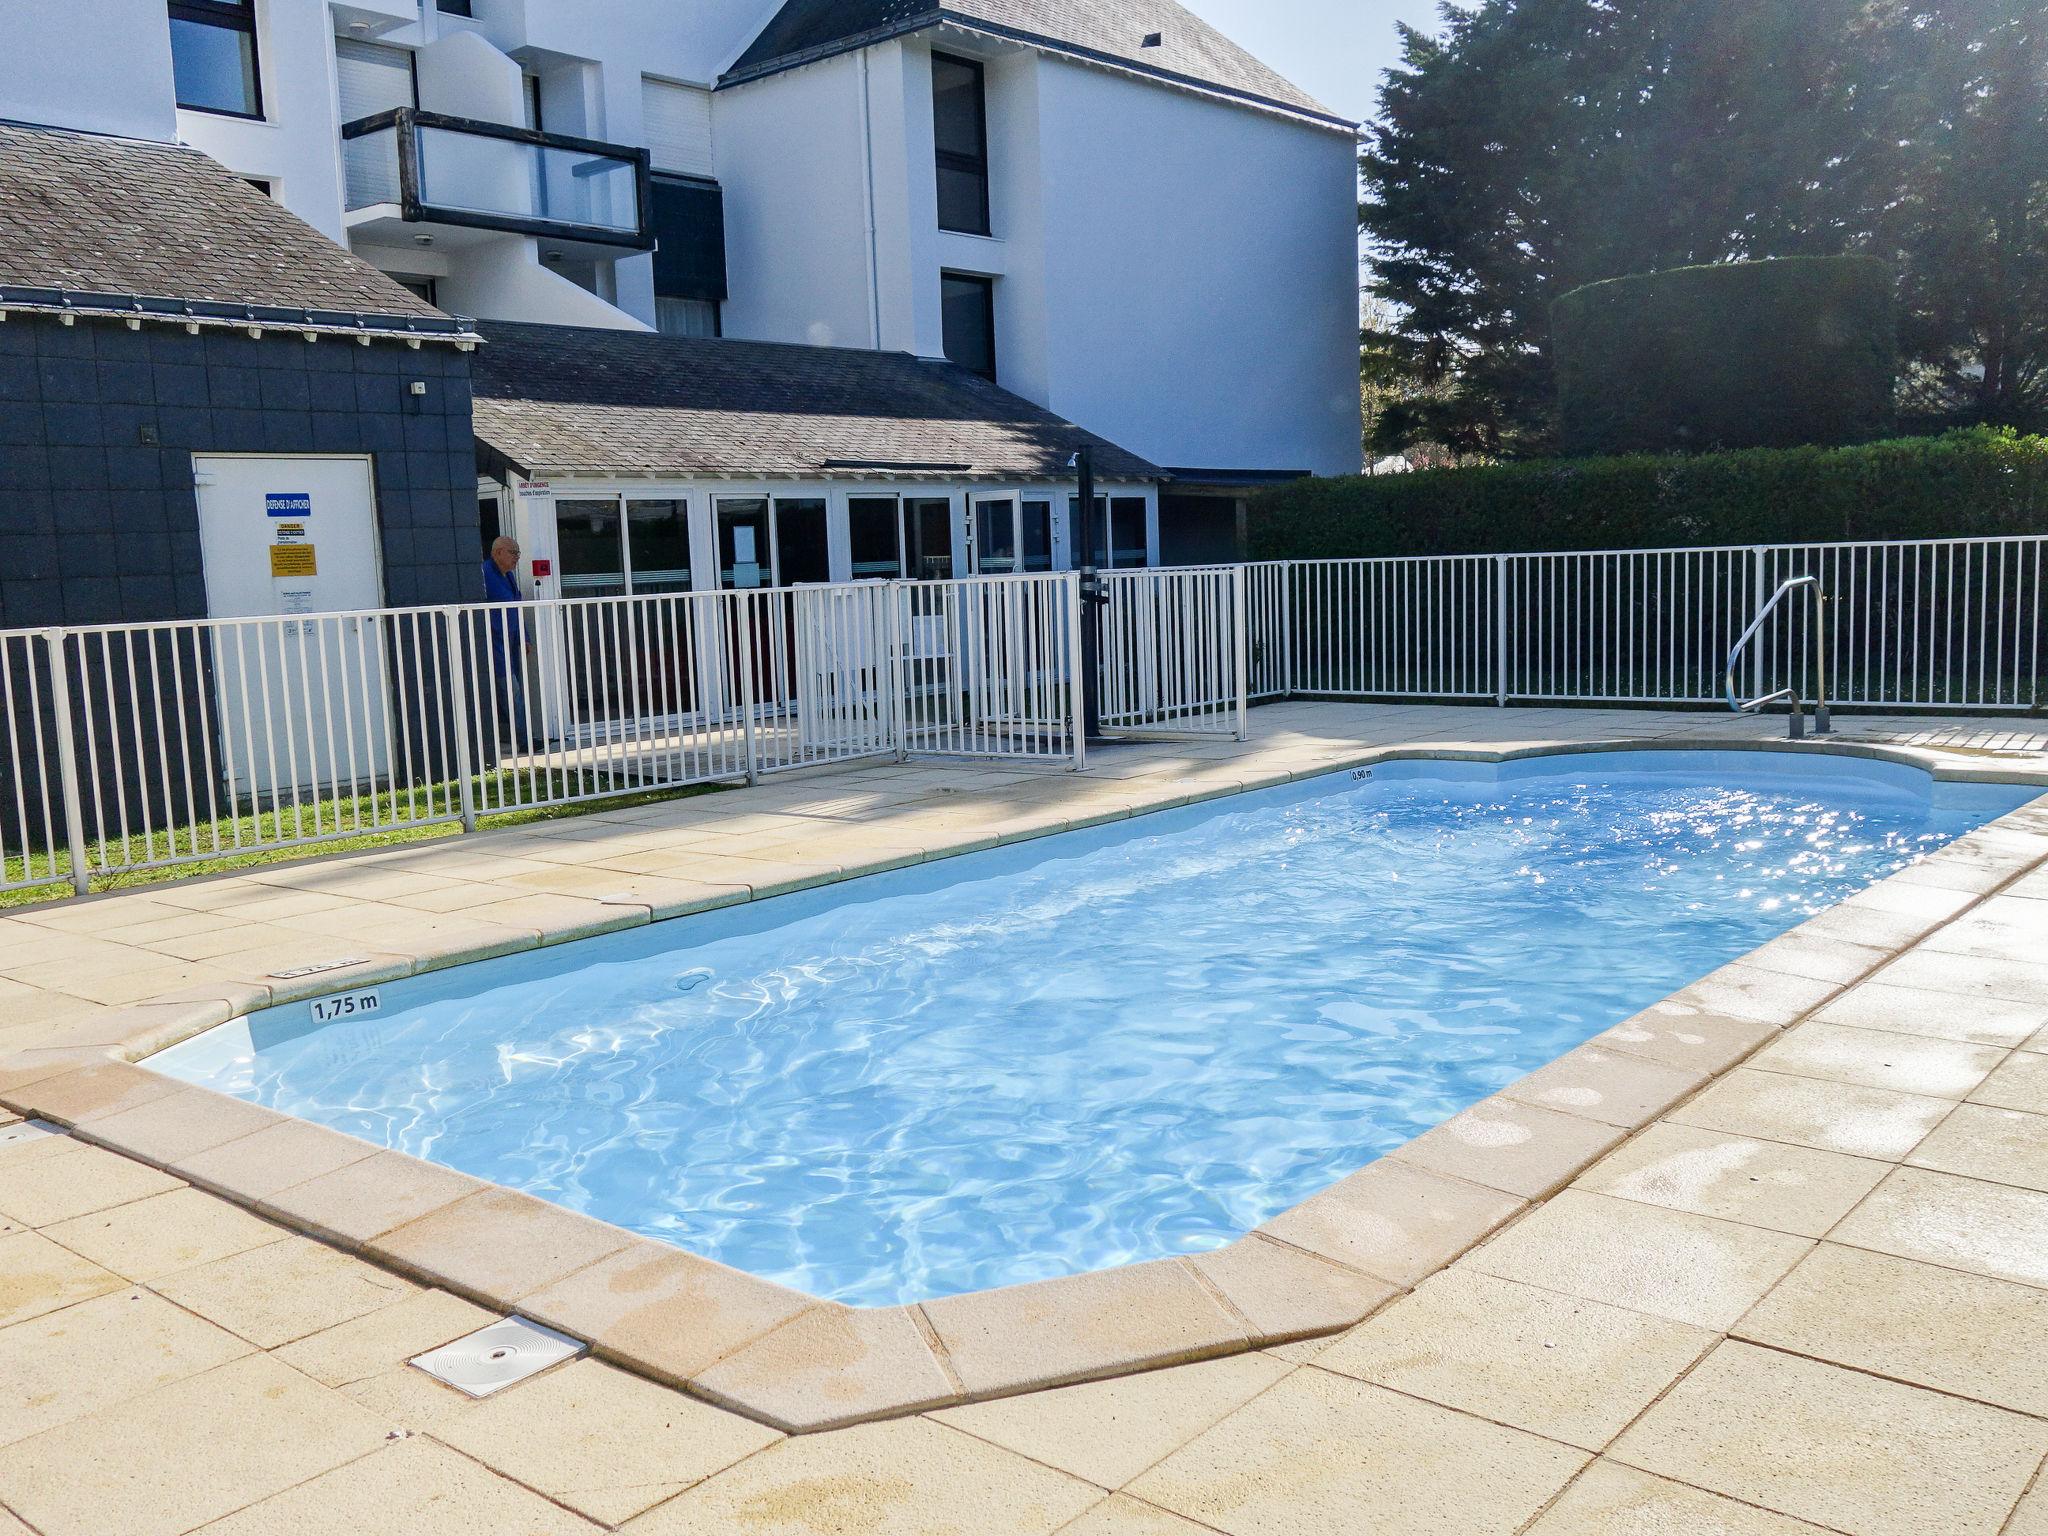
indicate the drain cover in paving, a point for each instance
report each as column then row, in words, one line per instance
column 499, row 1356
column 27, row 1130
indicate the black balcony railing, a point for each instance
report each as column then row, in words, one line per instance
column 456, row 170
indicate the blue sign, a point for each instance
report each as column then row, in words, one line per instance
column 288, row 503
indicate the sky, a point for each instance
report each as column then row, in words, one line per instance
column 1333, row 49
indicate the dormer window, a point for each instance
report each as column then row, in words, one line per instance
column 960, row 128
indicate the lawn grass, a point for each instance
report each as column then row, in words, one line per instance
column 330, row 819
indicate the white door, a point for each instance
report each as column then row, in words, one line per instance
column 303, row 701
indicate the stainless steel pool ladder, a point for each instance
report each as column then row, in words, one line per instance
column 1822, row 722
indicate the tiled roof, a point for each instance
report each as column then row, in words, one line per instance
column 560, row 401
column 126, row 219
column 1189, row 51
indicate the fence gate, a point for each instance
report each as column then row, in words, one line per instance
column 1175, row 657
column 989, row 666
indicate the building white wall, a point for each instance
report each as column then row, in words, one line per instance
column 1201, row 275
column 53, row 73
column 1176, row 273
column 905, row 197
column 792, row 157
column 1016, row 253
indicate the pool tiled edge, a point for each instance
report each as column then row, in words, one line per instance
column 804, row 1365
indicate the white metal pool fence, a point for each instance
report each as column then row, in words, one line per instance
column 1948, row 624
column 130, row 747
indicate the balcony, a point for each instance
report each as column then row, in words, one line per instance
column 426, row 168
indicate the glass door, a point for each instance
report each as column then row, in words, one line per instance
column 803, row 555
column 743, row 552
column 587, row 544
column 658, row 546
column 930, row 523
column 1034, row 534
column 658, row 564
column 1119, row 519
column 593, row 663
column 623, row 659
column 874, row 530
column 995, row 537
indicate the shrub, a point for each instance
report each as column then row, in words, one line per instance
column 1974, row 482
column 1763, row 354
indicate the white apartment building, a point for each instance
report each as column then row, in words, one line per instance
column 1103, row 206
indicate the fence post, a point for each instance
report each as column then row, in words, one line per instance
column 1758, row 554
column 898, row 593
column 1286, row 607
column 1077, row 698
column 1500, row 631
column 67, row 762
column 458, row 701
column 1240, row 592
column 743, row 636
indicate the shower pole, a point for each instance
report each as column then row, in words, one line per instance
column 1092, row 598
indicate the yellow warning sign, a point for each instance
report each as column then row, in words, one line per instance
column 293, row 560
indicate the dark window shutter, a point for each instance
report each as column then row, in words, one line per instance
column 689, row 223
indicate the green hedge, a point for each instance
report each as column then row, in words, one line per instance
column 1763, row 354
column 1969, row 483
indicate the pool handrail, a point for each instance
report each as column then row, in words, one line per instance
column 1823, row 723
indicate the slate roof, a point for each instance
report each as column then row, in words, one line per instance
column 109, row 221
column 1190, row 51
column 561, row 401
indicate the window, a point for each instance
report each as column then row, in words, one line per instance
column 1034, row 534
column 658, row 546
column 687, row 317
column 419, row 287
column 689, row 255
column 591, row 562
column 213, row 56
column 1125, row 517
column 802, row 556
column 931, row 537
column 454, row 7
column 969, row 308
column 874, row 527
column 995, row 538
column 960, row 128
column 771, row 544
column 1012, row 537
column 743, row 543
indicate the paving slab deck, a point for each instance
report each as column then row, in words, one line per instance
column 1769, row 1259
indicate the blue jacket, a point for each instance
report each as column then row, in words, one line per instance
column 499, row 587
column 507, row 633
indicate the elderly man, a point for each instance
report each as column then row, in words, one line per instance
column 508, row 646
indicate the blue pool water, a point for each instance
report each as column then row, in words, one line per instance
column 1108, row 1046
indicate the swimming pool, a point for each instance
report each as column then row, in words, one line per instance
column 1096, row 1048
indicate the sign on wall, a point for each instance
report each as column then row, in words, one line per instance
column 287, row 504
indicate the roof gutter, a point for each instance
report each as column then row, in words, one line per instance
column 195, row 315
